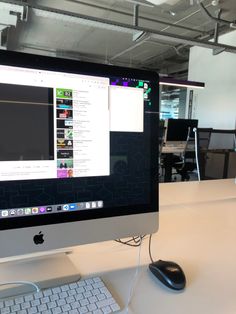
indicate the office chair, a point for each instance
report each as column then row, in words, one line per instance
column 204, row 137
column 187, row 162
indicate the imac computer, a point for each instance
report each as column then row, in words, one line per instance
column 78, row 153
column 178, row 130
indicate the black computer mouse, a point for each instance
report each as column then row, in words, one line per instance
column 169, row 273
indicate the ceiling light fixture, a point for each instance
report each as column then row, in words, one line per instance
column 141, row 2
column 159, row 2
column 181, row 83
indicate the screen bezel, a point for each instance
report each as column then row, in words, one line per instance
column 18, row 59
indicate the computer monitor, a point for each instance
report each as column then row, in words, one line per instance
column 78, row 153
column 178, row 130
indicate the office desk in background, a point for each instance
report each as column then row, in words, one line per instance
column 207, row 156
column 198, row 231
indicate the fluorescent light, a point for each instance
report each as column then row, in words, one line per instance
column 141, row 2
column 159, row 2
column 181, row 83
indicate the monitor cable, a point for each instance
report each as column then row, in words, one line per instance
column 135, row 277
column 134, row 241
column 149, row 248
column 196, row 153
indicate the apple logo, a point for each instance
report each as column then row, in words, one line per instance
column 38, row 238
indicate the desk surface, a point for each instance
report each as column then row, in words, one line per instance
column 196, row 192
column 198, row 231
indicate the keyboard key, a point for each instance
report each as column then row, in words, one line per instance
column 9, row 302
column 35, row 302
column 51, row 305
column 75, row 305
column 45, row 300
column 115, row 307
column 5, row 310
column 92, row 307
column 47, row 292
column 66, row 307
column 29, row 297
column 19, row 300
column 93, row 299
column 33, row 310
column 101, row 297
column 83, row 310
column 97, row 312
column 15, row 308
column 84, row 302
column 42, row 307
column 54, row 297
column 73, row 285
column 25, row 305
column 56, row 310
column 61, row 302
column 107, row 310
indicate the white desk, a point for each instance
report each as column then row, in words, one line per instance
column 198, row 232
column 196, row 192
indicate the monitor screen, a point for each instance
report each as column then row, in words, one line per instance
column 180, row 129
column 78, row 150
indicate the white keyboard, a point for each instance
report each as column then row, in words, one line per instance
column 84, row 296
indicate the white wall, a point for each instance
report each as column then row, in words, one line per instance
column 214, row 106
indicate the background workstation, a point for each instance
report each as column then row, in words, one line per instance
column 187, row 152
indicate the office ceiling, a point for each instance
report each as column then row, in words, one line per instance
column 123, row 32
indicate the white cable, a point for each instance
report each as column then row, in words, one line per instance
column 135, row 278
column 196, row 153
column 20, row 283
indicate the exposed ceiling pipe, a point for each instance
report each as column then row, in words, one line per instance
column 215, row 19
column 136, row 13
column 216, row 33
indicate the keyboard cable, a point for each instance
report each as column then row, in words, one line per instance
column 135, row 277
column 7, row 283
